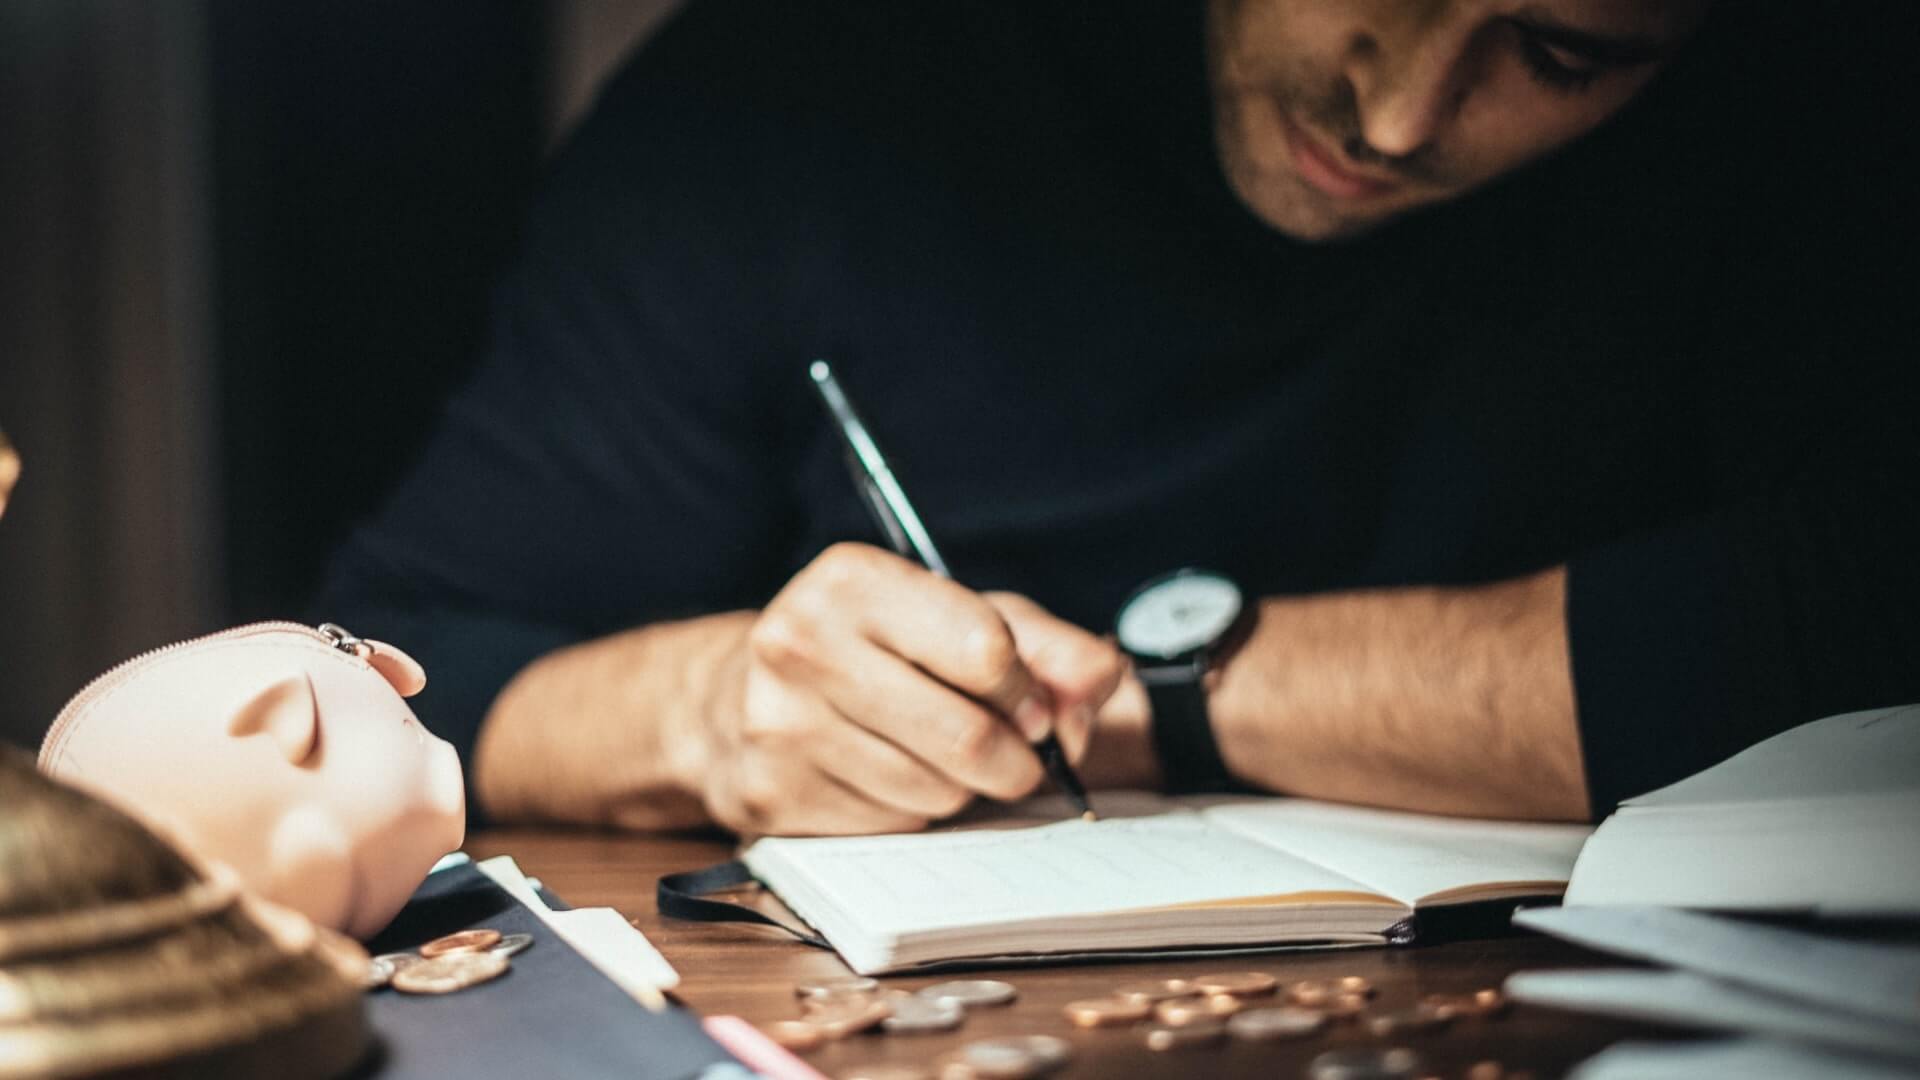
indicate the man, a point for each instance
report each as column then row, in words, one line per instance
column 1537, row 501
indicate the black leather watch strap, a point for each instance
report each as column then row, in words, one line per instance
column 1183, row 734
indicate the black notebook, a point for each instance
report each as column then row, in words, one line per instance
column 552, row 1014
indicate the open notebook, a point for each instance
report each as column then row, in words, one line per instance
column 1165, row 874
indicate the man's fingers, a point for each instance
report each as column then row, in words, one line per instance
column 766, row 797
column 1078, row 668
column 959, row 738
column 887, row 775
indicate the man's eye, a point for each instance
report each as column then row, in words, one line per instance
column 1555, row 67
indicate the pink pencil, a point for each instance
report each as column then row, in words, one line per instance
column 756, row 1051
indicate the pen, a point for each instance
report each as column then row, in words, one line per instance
column 909, row 536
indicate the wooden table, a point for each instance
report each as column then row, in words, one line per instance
column 750, row 972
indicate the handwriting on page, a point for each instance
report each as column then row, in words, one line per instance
column 1071, row 868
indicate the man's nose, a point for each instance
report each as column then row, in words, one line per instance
column 1408, row 81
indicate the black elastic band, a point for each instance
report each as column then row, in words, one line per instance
column 684, row 896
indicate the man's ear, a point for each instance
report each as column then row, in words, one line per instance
column 285, row 711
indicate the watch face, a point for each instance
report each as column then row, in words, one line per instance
column 1178, row 615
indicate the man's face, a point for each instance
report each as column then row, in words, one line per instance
column 1333, row 116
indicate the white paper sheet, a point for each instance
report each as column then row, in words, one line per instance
column 1875, row 979
column 602, row 935
column 1409, row 857
column 1734, row 1059
column 1680, row 997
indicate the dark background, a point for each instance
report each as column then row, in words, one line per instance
column 245, row 248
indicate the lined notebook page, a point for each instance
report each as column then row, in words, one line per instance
column 932, row 881
column 1407, row 856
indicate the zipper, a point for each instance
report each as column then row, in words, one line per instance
column 335, row 635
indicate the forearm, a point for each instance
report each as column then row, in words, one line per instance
column 1445, row 700
column 608, row 732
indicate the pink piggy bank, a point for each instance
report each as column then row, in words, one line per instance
column 283, row 751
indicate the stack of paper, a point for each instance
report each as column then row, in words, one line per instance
column 1834, row 996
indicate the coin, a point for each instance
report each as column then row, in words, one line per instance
column 1014, row 1057
column 513, row 945
column 1052, row 1050
column 1161, row 1037
column 1353, row 984
column 449, row 972
column 971, row 992
column 1396, row 1064
column 1240, row 984
column 379, row 973
column 1280, row 1022
column 464, row 941
column 914, row 1015
column 401, row 961
column 841, row 1016
column 1108, row 1011
column 1344, row 1006
column 998, row 1059
column 1486, row 1070
column 1401, row 1021
column 1310, row 992
column 794, row 1034
column 837, row 984
column 1181, row 1012
column 1155, row 989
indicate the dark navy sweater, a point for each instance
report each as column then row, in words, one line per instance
column 1004, row 223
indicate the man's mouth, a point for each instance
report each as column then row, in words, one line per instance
column 1327, row 170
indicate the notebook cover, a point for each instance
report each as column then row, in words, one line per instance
column 552, row 1014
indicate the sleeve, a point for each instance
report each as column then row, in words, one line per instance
column 614, row 460
column 1798, row 597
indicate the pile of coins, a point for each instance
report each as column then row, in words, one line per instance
column 1169, row 1014
column 835, row 1008
column 1255, row 1007
column 447, row 964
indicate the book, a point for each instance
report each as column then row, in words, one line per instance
column 1822, row 819
column 1156, row 874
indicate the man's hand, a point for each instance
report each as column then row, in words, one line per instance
column 875, row 696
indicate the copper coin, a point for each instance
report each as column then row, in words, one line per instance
column 1402, row 1021
column 794, row 1034
column 1283, row 1022
column 1353, row 984
column 1344, row 1006
column 464, row 941
column 1107, row 1011
column 1486, row 1070
column 1310, row 992
column 838, row 1018
column 1239, row 984
column 1155, row 989
column 836, row 984
column 449, row 972
column 1178, row 1038
column 1184, row 1012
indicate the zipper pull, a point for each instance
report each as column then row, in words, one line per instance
column 343, row 639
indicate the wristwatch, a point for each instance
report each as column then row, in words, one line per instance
column 1175, row 627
